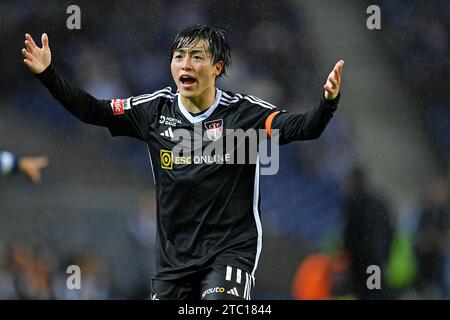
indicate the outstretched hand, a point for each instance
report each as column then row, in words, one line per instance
column 32, row 166
column 37, row 59
column 333, row 82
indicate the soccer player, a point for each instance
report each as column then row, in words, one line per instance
column 209, row 233
column 30, row 166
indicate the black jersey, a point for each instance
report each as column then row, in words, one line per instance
column 207, row 205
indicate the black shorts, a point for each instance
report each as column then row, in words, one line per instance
column 221, row 282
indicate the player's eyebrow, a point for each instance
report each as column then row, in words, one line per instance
column 192, row 51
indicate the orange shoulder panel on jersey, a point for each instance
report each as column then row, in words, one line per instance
column 269, row 123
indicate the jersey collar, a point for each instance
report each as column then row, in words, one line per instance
column 203, row 116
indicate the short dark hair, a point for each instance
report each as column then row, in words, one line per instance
column 216, row 38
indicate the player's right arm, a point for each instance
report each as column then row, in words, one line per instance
column 78, row 102
column 118, row 115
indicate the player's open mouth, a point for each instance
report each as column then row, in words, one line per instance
column 187, row 80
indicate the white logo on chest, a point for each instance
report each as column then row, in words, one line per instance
column 169, row 121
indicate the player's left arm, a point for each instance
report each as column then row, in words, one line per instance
column 311, row 124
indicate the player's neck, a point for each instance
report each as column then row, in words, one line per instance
column 199, row 103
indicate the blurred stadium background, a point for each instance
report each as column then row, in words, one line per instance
column 95, row 205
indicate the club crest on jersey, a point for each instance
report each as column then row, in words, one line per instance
column 214, row 129
column 117, row 106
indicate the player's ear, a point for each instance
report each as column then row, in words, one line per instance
column 218, row 68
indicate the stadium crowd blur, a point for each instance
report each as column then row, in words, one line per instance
column 106, row 227
column 422, row 52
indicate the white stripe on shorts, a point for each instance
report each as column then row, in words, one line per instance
column 228, row 274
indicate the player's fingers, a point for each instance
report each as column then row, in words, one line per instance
column 27, row 55
column 328, row 89
column 335, row 74
column 341, row 67
column 29, row 46
column 35, row 176
column 30, row 38
column 333, row 81
column 27, row 62
column 42, row 162
column 44, row 40
column 337, row 68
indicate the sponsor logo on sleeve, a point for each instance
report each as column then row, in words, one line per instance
column 117, row 106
